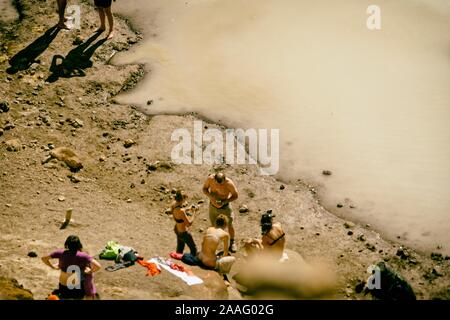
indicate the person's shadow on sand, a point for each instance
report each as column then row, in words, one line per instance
column 76, row 60
column 26, row 57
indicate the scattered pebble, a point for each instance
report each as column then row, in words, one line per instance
column 128, row 143
column 361, row 237
column 349, row 225
column 326, row 172
column 61, row 198
column 243, row 209
column 32, row 254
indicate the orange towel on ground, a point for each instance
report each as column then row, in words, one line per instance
column 153, row 269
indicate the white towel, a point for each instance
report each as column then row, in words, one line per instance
column 190, row 280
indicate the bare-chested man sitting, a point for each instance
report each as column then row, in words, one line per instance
column 221, row 191
column 211, row 241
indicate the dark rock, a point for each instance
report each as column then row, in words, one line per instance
column 361, row 237
column 282, row 187
column 436, row 256
column 4, row 106
column 339, row 205
column 1, row 132
column 9, row 126
column 149, row 102
column 326, row 172
column 392, row 286
column 32, row 254
column 402, row 253
column 371, row 247
column 350, row 233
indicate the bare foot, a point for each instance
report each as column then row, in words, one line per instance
column 110, row 35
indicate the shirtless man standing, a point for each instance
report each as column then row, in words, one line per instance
column 211, row 241
column 221, row 191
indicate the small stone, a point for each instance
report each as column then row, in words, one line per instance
column 350, row 233
column 201, row 230
column 132, row 186
column 326, row 172
column 4, row 106
column 78, row 40
column 61, row 198
column 243, row 209
column 128, row 143
column 282, row 187
column 339, row 205
column 1, row 132
column 9, row 126
column 168, row 211
column 349, row 225
column 73, row 178
column 361, row 237
column 102, row 159
column 436, row 256
column 200, row 201
column 402, row 253
column 149, row 102
column 142, row 181
column 9, row 205
column 77, row 123
column 437, row 270
column 371, row 247
column 317, row 234
column 128, row 200
column 13, row 145
column 151, row 167
column 32, row 254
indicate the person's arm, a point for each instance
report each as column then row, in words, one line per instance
column 226, row 243
column 46, row 260
column 186, row 218
column 93, row 267
column 206, row 188
column 234, row 193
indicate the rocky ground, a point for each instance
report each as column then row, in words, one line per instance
column 127, row 179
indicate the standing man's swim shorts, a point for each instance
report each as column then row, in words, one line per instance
column 225, row 210
column 103, row 3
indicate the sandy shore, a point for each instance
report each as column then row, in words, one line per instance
column 121, row 193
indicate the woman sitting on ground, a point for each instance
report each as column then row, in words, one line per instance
column 273, row 238
column 72, row 261
column 182, row 223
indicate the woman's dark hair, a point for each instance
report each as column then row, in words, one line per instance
column 73, row 244
column 179, row 196
column 266, row 221
column 221, row 221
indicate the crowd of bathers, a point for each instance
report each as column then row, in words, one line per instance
column 216, row 250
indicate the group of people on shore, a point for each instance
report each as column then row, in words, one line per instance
column 221, row 191
column 104, row 12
